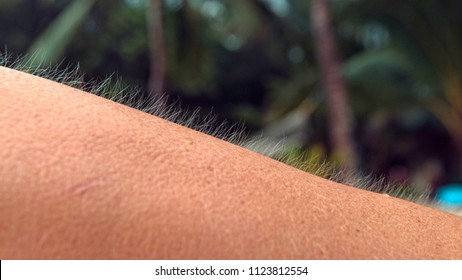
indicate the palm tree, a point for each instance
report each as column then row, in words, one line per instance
column 425, row 43
column 157, row 47
column 340, row 115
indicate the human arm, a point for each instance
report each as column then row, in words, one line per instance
column 85, row 177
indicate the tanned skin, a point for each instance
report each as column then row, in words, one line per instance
column 82, row 177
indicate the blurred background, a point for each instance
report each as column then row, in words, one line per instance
column 373, row 86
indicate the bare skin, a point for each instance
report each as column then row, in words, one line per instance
column 84, row 177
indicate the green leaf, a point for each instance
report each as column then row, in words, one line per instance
column 50, row 45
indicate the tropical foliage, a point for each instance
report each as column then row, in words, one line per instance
column 255, row 61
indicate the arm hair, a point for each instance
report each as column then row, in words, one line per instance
column 78, row 184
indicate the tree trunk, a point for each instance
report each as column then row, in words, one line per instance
column 340, row 116
column 157, row 47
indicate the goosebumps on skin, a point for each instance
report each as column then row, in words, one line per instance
column 85, row 177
